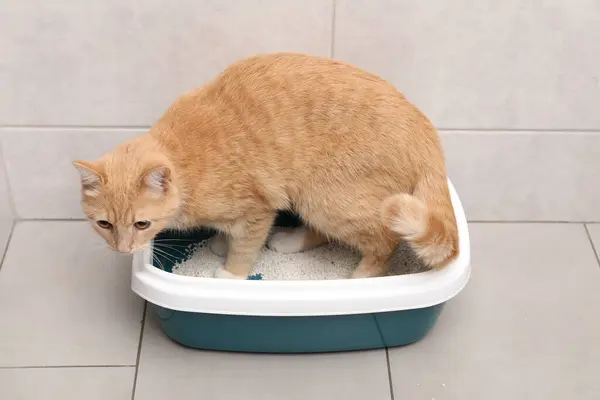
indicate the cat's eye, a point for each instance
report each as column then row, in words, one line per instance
column 104, row 224
column 141, row 225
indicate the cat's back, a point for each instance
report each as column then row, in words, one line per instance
column 279, row 67
column 297, row 75
column 310, row 95
column 296, row 107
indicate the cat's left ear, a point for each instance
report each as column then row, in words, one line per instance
column 158, row 179
column 91, row 177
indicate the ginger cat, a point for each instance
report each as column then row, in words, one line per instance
column 339, row 146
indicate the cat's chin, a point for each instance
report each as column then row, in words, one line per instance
column 122, row 252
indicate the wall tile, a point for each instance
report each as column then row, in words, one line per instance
column 527, row 176
column 43, row 180
column 500, row 176
column 121, row 62
column 485, row 64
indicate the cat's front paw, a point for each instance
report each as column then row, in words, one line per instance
column 362, row 272
column 359, row 274
column 222, row 273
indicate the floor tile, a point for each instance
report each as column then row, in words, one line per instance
column 594, row 230
column 65, row 299
column 526, row 327
column 168, row 370
column 5, row 230
column 6, row 213
column 50, row 186
column 491, row 64
column 66, row 383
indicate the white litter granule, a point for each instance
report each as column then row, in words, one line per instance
column 330, row 261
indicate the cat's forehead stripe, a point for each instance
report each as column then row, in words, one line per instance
column 119, row 213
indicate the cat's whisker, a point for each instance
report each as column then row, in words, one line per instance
column 179, row 249
column 166, row 255
column 171, row 238
column 167, row 258
column 154, row 259
column 175, row 240
column 160, row 264
column 172, row 245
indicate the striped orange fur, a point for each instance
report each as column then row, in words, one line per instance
column 338, row 145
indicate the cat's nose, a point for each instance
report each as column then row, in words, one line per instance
column 124, row 248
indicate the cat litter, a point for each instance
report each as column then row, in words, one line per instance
column 330, row 261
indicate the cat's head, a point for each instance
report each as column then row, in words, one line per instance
column 129, row 195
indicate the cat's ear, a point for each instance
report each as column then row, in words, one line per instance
column 91, row 177
column 157, row 179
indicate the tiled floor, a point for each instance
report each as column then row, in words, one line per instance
column 526, row 327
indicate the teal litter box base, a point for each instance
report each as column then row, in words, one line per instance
column 259, row 334
column 265, row 334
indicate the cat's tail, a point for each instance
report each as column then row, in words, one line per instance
column 426, row 220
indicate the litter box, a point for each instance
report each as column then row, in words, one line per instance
column 297, row 316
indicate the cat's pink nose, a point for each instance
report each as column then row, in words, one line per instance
column 124, row 248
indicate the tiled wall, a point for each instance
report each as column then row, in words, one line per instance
column 513, row 86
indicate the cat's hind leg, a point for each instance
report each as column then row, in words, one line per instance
column 218, row 244
column 295, row 240
column 372, row 265
column 366, row 233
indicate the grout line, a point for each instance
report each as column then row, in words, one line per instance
column 516, row 130
column 51, row 219
column 333, row 17
column 332, row 48
column 69, row 366
column 387, row 356
column 389, row 369
column 527, row 222
column 587, row 231
column 139, row 352
column 8, row 241
column 471, row 221
column 11, row 200
column 78, row 127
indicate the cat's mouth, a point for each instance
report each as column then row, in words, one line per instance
column 131, row 250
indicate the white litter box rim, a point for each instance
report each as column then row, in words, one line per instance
column 306, row 298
